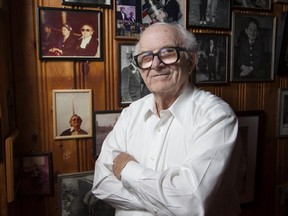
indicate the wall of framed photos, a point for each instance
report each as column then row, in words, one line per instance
column 36, row 75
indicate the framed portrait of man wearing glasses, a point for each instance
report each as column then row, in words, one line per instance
column 69, row 34
column 72, row 111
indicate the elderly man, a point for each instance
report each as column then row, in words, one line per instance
column 174, row 151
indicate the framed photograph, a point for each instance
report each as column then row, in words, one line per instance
column 89, row 3
column 283, row 112
column 36, row 174
column 209, row 14
column 72, row 113
column 253, row 47
column 249, row 130
column 70, row 34
column 132, row 17
column 282, row 46
column 261, row 5
column 12, row 165
column 104, row 122
column 76, row 197
column 132, row 86
column 213, row 59
column 282, row 200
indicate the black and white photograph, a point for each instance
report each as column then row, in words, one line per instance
column 281, row 65
column 163, row 11
column 253, row 47
column 282, row 112
column 72, row 113
column 213, row 59
column 261, row 5
column 104, row 122
column 76, row 197
column 132, row 86
column 250, row 123
column 209, row 14
column 89, row 3
column 69, row 34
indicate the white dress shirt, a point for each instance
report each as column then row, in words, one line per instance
column 187, row 158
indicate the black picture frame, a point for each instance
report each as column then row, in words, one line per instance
column 250, row 125
column 255, row 5
column 89, row 3
column 146, row 14
column 258, row 57
column 68, row 103
column 76, row 197
column 281, row 62
column 213, row 63
column 282, row 128
column 36, row 178
column 131, row 84
column 103, row 123
column 60, row 21
column 221, row 19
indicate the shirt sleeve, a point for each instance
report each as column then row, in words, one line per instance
column 106, row 186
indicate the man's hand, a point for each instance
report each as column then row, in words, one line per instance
column 120, row 162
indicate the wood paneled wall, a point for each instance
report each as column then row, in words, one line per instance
column 35, row 80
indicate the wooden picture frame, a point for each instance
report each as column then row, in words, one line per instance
column 89, row 3
column 250, row 123
column 131, row 84
column 253, row 61
column 104, row 122
column 210, row 16
column 282, row 129
column 281, row 65
column 256, row 5
column 36, row 174
column 146, row 14
column 213, row 59
column 76, row 197
column 70, row 103
column 12, row 165
column 55, row 24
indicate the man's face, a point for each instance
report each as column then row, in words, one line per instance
column 161, row 78
column 86, row 31
column 75, row 121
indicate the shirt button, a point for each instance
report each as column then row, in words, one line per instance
column 152, row 158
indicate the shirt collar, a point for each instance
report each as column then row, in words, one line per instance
column 176, row 108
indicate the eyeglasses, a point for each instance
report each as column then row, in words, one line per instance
column 87, row 30
column 166, row 55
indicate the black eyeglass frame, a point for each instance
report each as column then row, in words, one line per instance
column 178, row 50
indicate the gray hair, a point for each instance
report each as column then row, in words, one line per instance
column 185, row 38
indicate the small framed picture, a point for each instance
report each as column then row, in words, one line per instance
column 209, row 14
column 76, row 197
column 250, row 123
column 132, row 86
column 213, row 55
column 253, row 47
column 37, row 174
column 89, row 3
column 72, row 113
column 132, row 17
column 283, row 112
column 69, row 34
column 104, row 122
column 282, row 46
column 260, row 5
